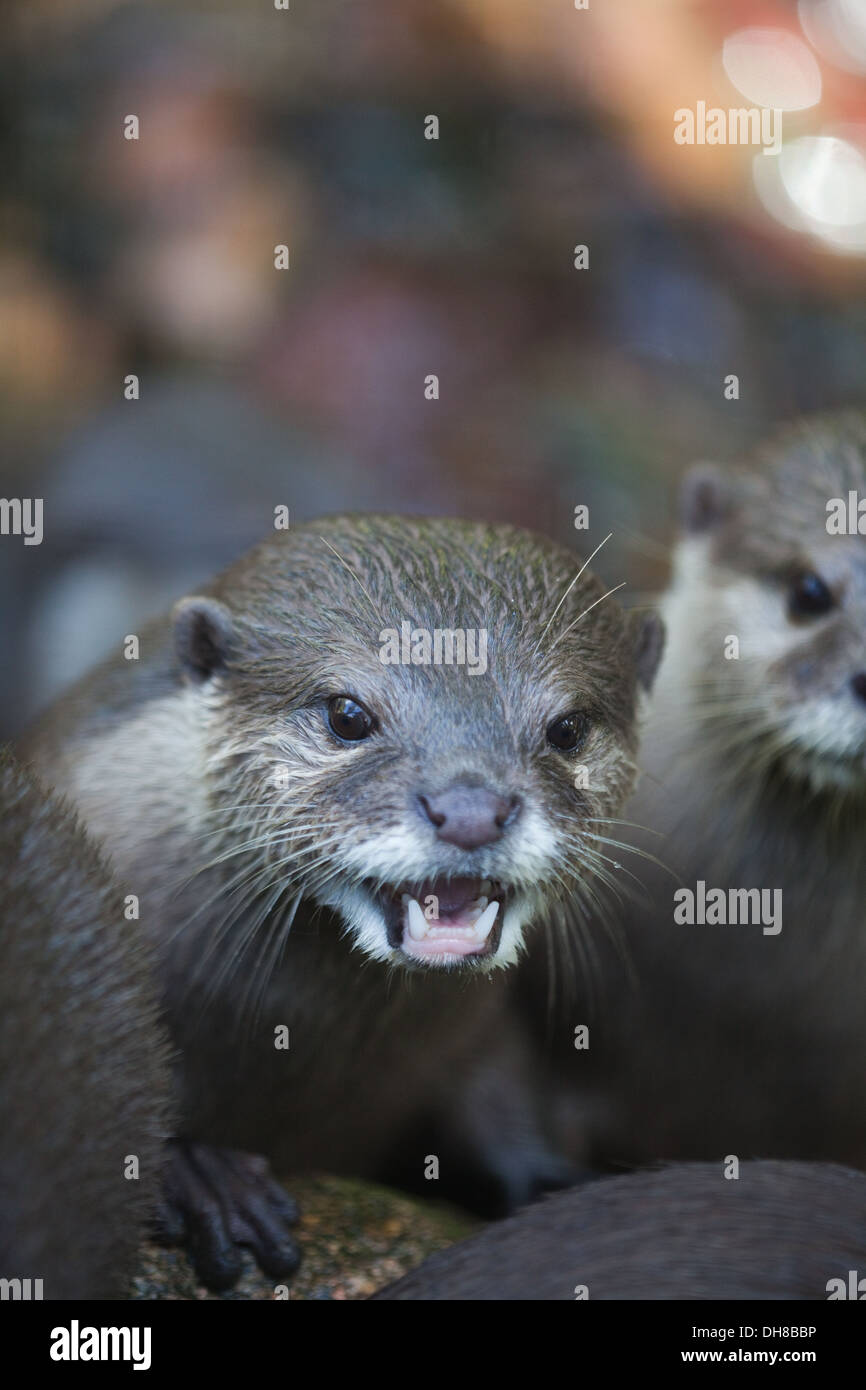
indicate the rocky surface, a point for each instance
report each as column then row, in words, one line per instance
column 354, row 1237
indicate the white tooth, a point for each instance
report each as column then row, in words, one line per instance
column 418, row 924
column 480, row 902
column 485, row 921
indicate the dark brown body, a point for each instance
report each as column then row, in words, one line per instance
column 779, row 1231
column 726, row 1040
column 83, row 1058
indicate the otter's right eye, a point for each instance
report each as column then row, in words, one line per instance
column 349, row 720
column 809, row 597
column 569, row 733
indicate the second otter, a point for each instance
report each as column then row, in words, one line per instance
column 340, row 850
column 746, row 1036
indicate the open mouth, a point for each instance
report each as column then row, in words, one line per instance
column 445, row 921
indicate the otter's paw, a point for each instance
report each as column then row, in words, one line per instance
column 518, row 1177
column 217, row 1200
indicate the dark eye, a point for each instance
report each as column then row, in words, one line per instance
column 569, row 732
column 809, row 597
column 348, row 719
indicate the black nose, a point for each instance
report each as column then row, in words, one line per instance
column 858, row 685
column 469, row 816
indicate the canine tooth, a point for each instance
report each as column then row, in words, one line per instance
column 485, row 921
column 418, row 924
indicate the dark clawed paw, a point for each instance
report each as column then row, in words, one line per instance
column 216, row 1201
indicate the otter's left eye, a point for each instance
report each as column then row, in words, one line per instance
column 809, row 597
column 348, row 719
column 569, row 732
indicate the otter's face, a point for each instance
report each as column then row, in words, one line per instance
column 794, row 597
column 437, row 807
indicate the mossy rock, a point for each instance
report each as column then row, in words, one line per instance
column 355, row 1238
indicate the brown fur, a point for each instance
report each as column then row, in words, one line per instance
column 724, row 1039
column 779, row 1231
column 169, row 760
column 84, row 1061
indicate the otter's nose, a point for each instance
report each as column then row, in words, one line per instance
column 469, row 816
column 858, row 685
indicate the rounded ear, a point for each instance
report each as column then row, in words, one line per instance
column 202, row 636
column 648, row 643
column 705, row 498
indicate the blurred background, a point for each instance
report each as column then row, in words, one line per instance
column 408, row 257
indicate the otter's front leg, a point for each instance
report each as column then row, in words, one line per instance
column 498, row 1120
column 488, row 1129
column 217, row 1201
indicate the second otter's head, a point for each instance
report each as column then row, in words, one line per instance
column 421, row 725
column 767, row 614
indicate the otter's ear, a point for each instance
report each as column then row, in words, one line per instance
column 705, row 498
column 202, row 633
column 648, row 643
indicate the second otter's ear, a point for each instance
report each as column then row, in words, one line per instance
column 202, row 636
column 648, row 638
column 705, row 498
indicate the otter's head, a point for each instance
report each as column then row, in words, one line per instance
column 768, row 560
column 421, row 725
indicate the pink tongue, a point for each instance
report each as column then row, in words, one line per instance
column 454, row 894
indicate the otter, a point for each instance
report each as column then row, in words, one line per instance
column 745, row 1036
column 782, row 1230
column 341, row 842
column 83, row 1054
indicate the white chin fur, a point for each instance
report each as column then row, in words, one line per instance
column 825, row 773
column 828, row 748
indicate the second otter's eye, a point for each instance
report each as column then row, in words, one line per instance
column 809, row 597
column 348, row 719
column 569, row 732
